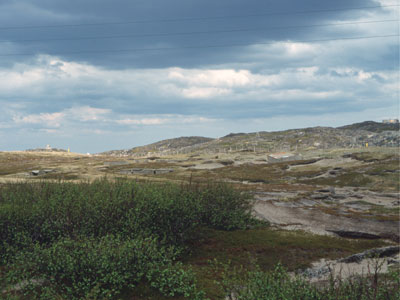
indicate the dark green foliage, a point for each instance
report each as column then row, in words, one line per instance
column 222, row 208
column 167, row 211
column 45, row 212
column 175, row 280
column 100, row 269
column 94, row 239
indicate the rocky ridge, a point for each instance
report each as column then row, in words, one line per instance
column 363, row 134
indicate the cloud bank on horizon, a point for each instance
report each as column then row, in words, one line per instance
column 101, row 75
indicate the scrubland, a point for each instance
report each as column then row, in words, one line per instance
column 87, row 231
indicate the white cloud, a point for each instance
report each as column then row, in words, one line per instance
column 225, row 78
column 204, row 92
column 71, row 83
column 209, row 84
column 87, row 113
column 56, row 119
column 298, row 48
column 145, row 121
column 46, row 119
column 12, row 80
column 187, row 120
column 162, row 119
column 104, row 120
column 81, row 95
column 50, row 131
column 301, row 95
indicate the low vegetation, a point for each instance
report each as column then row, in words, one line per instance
column 278, row 284
column 121, row 239
column 91, row 240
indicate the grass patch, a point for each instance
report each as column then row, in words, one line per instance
column 11, row 163
column 58, row 176
column 351, row 178
column 143, row 165
column 372, row 214
column 266, row 173
column 294, row 249
column 265, row 247
column 372, row 156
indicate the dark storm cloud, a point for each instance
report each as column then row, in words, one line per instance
column 42, row 13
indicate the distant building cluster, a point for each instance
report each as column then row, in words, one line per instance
column 390, row 121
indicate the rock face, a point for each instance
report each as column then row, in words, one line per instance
column 372, row 126
column 374, row 260
column 280, row 157
column 115, row 163
column 373, row 253
column 144, row 171
column 41, row 172
column 331, row 211
column 355, row 234
column 170, row 145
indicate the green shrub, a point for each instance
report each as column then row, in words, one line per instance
column 167, row 211
column 278, row 284
column 46, row 212
column 94, row 239
column 175, row 280
column 100, row 269
column 224, row 208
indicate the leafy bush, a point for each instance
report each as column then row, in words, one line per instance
column 46, row 212
column 175, row 280
column 99, row 269
column 167, row 211
column 61, row 239
column 224, row 208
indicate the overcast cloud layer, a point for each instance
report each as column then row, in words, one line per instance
column 147, row 70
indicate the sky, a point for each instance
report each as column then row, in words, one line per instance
column 97, row 75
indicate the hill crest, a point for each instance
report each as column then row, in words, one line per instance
column 349, row 136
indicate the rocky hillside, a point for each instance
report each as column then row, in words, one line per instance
column 46, row 150
column 351, row 136
column 372, row 126
column 162, row 146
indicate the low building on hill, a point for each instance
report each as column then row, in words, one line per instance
column 283, row 156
